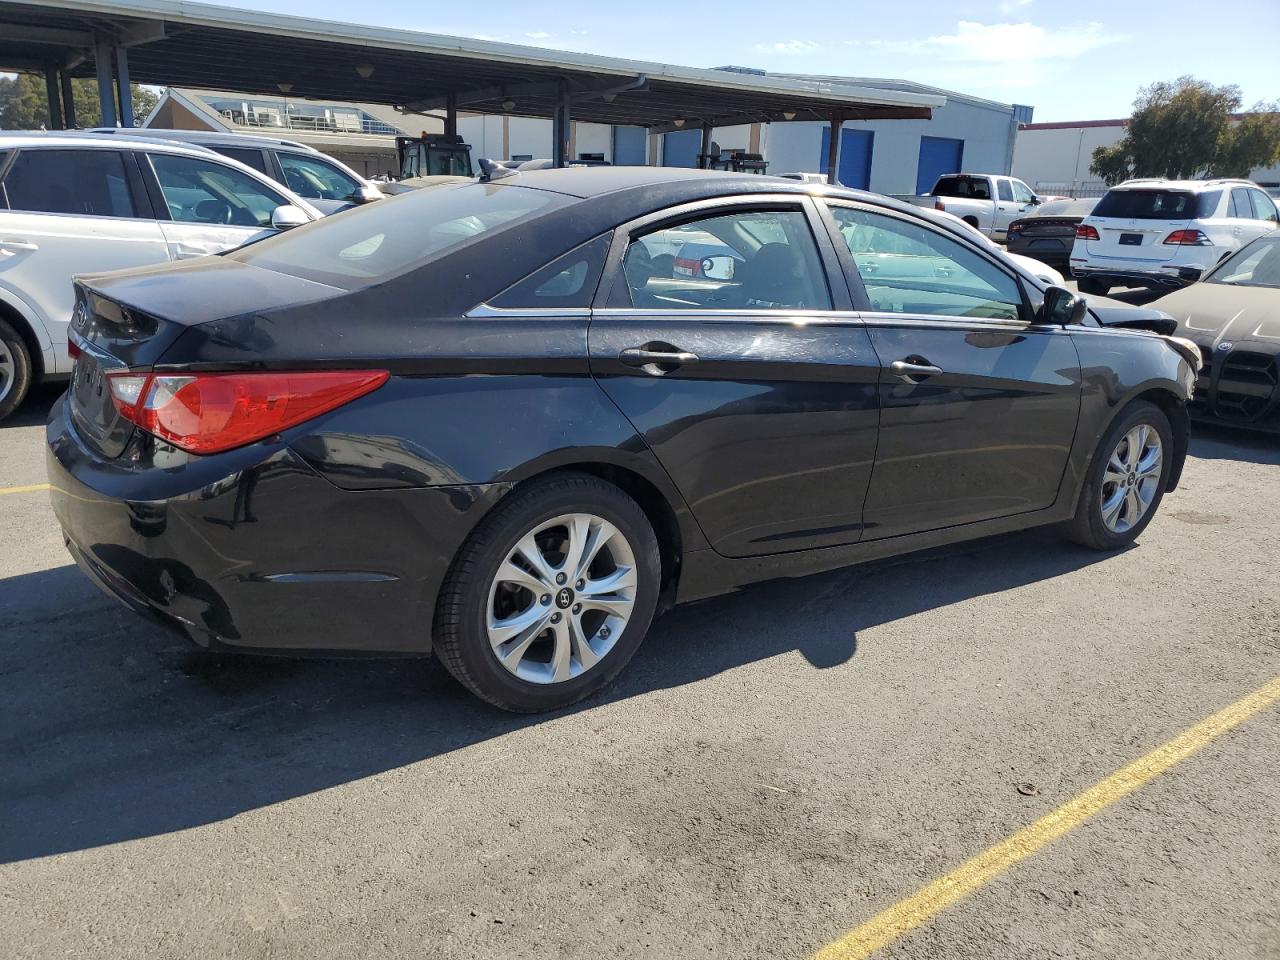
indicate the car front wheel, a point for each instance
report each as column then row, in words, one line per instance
column 550, row 596
column 1126, row 480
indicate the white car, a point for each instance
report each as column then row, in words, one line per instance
column 325, row 183
column 1167, row 233
column 81, row 203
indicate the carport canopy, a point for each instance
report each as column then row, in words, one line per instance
column 176, row 43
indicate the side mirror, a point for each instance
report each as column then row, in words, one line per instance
column 717, row 268
column 1062, row 307
column 287, row 216
column 1036, row 201
column 366, row 193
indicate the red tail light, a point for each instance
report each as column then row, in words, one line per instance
column 211, row 412
column 939, row 205
column 73, row 349
column 1188, row 238
column 1086, row 231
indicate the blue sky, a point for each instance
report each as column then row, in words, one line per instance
column 1081, row 60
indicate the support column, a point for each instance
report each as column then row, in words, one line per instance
column 106, row 96
column 560, row 130
column 55, row 102
column 68, row 100
column 705, row 149
column 451, row 115
column 833, row 148
column 123, row 90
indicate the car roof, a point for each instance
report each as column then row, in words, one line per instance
column 205, row 137
column 94, row 140
column 1158, row 183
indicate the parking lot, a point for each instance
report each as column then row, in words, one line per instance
column 774, row 769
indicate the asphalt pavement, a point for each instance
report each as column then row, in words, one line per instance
column 773, row 769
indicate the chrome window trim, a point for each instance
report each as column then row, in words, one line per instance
column 484, row 310
column 952, row 322
column 755, row 315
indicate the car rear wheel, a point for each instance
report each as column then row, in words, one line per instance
column 15, row 369
column 1126, row 480
column 550, row 596
column 1092, row 286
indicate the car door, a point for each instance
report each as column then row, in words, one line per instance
column 1007, row 209
column 211, row 206
column 978, row 405
column 745, row 372
column 1244, row 225
column 70, row 211
column 1264, row 213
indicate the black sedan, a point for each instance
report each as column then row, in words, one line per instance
column 1233, row 316
column 1049, row 232
column 508, row 422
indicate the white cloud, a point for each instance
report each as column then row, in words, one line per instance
column 789, row 47
column 974, row 42
column 539, row 35
column 579, row 33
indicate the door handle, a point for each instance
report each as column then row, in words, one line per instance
column 13, row 245
column 644, row 356
column 908, row 371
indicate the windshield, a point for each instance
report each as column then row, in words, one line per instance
column 1157, row 204
column 376, row 242
column 1257, row 265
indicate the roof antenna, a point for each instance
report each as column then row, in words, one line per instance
column 493, row 170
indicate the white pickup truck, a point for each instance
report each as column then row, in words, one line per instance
column 984, row 201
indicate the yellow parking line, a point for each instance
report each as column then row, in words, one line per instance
column 29, row 488
column 906, row 915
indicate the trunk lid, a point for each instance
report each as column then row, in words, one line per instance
column 129, row 320
column 1132, row 224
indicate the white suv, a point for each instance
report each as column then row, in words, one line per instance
column 80, row 203
column 1166, row 233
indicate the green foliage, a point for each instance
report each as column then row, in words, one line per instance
column 1183, row 130
column 24, row 106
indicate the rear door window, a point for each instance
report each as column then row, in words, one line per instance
column 250, row 158
column 1241, row 206
column 88, row 183
column 747, row 259
column 202, row 191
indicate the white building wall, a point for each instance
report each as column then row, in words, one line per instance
column 593, row 138
column 1059, row 157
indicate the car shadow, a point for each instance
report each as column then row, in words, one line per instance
column 1212, row 441
column 113, row 729
column 34, row 410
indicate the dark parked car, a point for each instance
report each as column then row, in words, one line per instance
column 486, row 420
column 1233, row 315
column 1047, row 233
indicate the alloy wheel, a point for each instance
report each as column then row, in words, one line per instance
column 1132, row 478
column 8, row 370
column 561, row 598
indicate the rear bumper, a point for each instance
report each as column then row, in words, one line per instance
column 1157, row 274
column 253, row 550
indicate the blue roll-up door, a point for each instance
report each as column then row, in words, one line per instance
column 680, row 148
column 630, row 146
column 938, row 156
column 855, row 156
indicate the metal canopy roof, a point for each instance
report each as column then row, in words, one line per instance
column 172, row 42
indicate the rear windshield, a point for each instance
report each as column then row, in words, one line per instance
column 1157, row 204
column 975, row 188
column 376, row 242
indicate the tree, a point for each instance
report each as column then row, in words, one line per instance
column 25, row 106
column 1184, row 130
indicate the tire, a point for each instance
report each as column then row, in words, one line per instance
column 1112, row 471
column 1092, row 286
column 546, row 665
column 15, row 369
